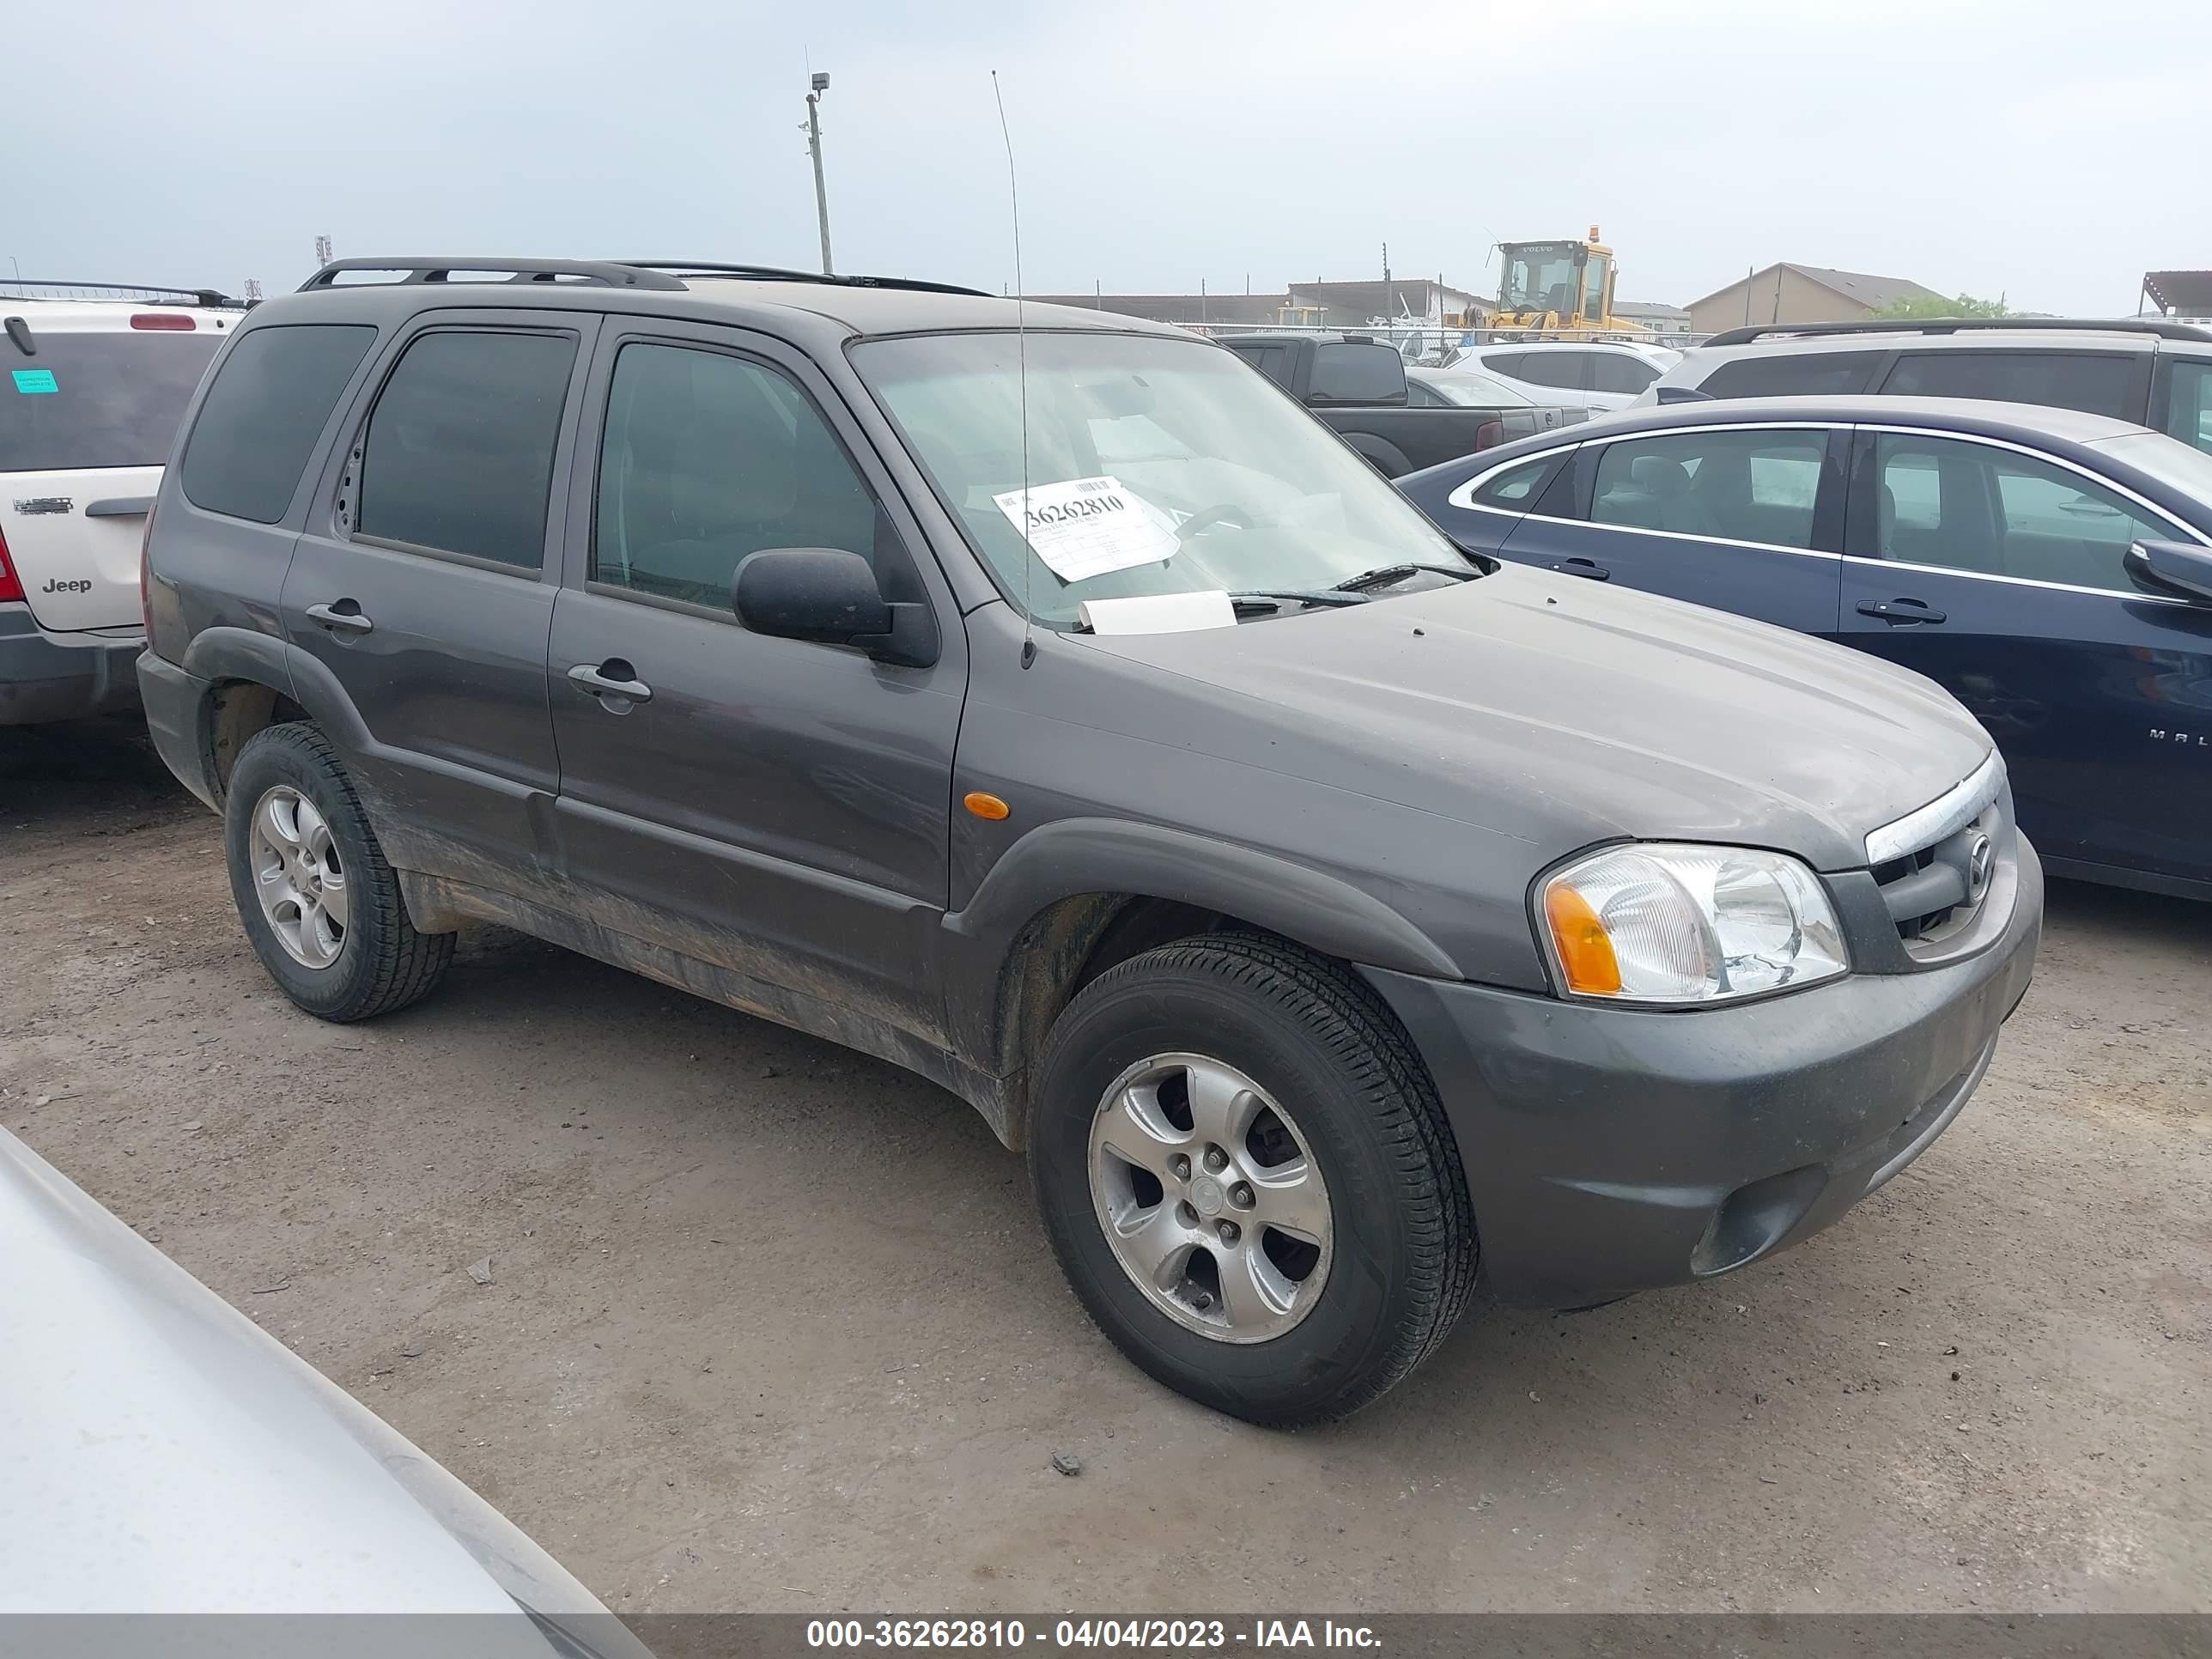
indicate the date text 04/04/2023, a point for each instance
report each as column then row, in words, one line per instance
column 1169, row 1635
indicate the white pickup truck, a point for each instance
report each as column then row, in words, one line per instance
column 91, row 391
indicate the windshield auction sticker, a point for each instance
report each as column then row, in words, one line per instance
column 1086, row 527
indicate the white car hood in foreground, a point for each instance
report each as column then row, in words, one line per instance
column 160, row 1453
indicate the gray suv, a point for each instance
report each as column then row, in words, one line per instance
column 2146, row 371
column 1036, row 698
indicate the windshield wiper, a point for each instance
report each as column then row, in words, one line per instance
column 1383, row 575
column 1276, row 598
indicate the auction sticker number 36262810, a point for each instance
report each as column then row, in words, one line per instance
column 1086, row 527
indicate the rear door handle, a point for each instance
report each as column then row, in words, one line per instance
column 342, row 617
column 612, row 678
column 1590, row 568
column 1898, row 610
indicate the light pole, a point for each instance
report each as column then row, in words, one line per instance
column 820, row 85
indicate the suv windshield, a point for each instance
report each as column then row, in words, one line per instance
column 1155, row 466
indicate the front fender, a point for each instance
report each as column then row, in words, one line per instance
column 1074, row 857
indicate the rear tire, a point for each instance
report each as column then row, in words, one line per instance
column 320, row 906
column 1231, row 1028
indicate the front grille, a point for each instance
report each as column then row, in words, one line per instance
column 1937, row 866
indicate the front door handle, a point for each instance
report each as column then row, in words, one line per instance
column 343, row 617
column 612, row 678
column 1894, row 611
column 1590, row 568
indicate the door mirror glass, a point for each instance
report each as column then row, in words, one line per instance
column 2171, row 569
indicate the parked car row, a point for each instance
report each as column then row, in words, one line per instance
column 1039, row 700
column 1399, row 419
column 2051, row 569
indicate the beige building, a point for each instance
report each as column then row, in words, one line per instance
column 1800, row 293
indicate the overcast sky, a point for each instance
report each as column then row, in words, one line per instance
column 2030, row 147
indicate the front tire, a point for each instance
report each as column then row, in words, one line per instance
column 1249, row 1179
column 321, row 907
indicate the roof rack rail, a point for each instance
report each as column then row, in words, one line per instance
column 211, row 298
column 2160, row 326
column 596, row 273
column 779, row 274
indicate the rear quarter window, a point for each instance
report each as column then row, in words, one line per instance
column 1792, row 374
column 1517, row 487
column 261, row 417
column 93, row 400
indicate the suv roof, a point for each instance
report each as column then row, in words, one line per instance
column 2157, row 327
column 862, row 305
column 1638, row 347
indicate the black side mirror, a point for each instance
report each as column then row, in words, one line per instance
column 2171, row 569
column 830, row 597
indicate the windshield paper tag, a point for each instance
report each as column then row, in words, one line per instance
column 29, row 380
column 1086, row 527
column 1159, row 613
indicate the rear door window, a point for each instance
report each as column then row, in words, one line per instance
column 1271, row 360
column 262, row 415
column 1792, row 374
column 458, row 455
column 1735, row 486
column 2097, row 383
column 2188, row 412
column 1619, row 372
column 97, row 400
column 1559, row 368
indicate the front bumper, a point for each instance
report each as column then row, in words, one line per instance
column 1614, row 1150
column 59, row 676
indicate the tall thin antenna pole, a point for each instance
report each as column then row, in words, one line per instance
column 1022, row 377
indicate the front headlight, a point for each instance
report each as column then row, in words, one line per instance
column 1679, row 923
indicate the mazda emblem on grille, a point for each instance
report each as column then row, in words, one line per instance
column 1981, row 859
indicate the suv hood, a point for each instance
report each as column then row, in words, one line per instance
column 1563, row 713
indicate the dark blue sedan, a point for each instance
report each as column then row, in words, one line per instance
column 2052, row 570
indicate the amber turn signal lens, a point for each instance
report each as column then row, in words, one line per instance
column 990, row 806
column 1585, row 951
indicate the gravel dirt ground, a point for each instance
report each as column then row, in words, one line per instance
column 772, row 1326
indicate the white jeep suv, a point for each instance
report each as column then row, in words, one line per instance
column 91, row 391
